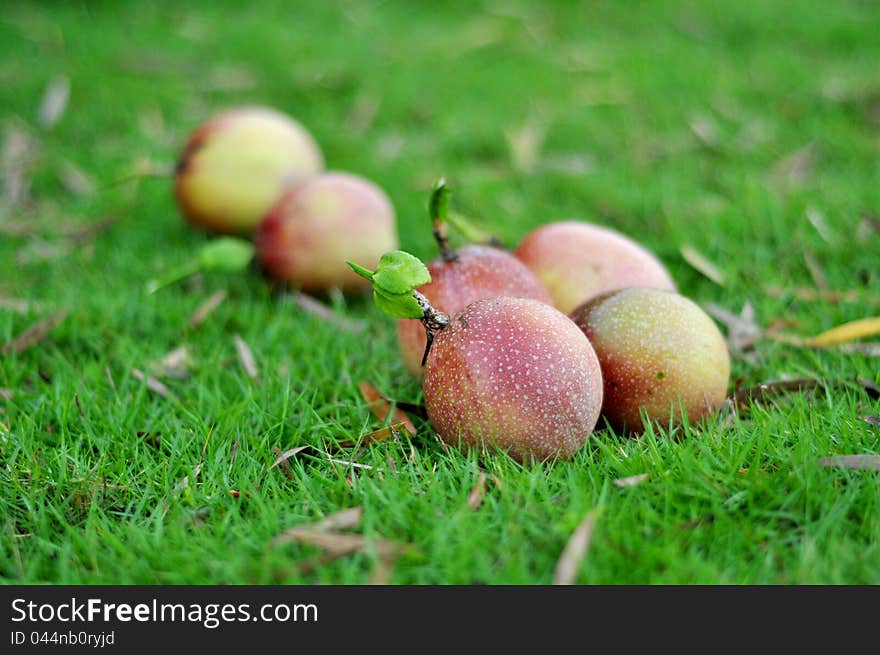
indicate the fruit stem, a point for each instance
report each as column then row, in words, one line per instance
column 471, row 232
column 394, row 291
column 438, row 208
column 432, row 320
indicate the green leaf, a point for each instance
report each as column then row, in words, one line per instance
column 360, row 270
column 438, row 205
column 399, row 273
column 397, row 305
column 226, row 254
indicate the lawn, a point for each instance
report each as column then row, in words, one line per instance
column 747, row 132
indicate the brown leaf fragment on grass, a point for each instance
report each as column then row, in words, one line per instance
column 383, row 571
column 17, row 154
column 343, row 544
column 631, row 481
column 6, row 394
column 871, row 420
column 152, row 383
column 344, row 519
column 152, row 123
column 39, row 250
column 184, row 483
column 76, row 180
column 793, row 170
column 569, row 561
column 36, row 333
column 54, row 101
column 92, row 230
column 816, row 273
column 376, row 436
column 363, row 112
column 871, row 222
column 524, row 144
column 282, row 460
column 336, row 544
column 286, row 455
column 768, row 390
column 316, row 308
column 820, row 223
column 702, row 264
column 204, row 310
column 871, row 349
column 109, row 377
column 569, row 164
column 351, row 464
column 325, row 534
column 742, row 330
column 872, row 389
column 858, row 462
column 18, row 305
column 175, row 364
column 705, row 128
column 475, row 497
column 16, row 228
column 381, row 406
column 246, row 357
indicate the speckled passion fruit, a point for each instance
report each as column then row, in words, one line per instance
column 461, row 276
column 476, row 272
column 236, row 164
column 516, row 374
column 314, row 227
column 575, row 261
column 661, row 356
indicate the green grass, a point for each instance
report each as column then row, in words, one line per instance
column 93, row 461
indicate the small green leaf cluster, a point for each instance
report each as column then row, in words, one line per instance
column 396, row 277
